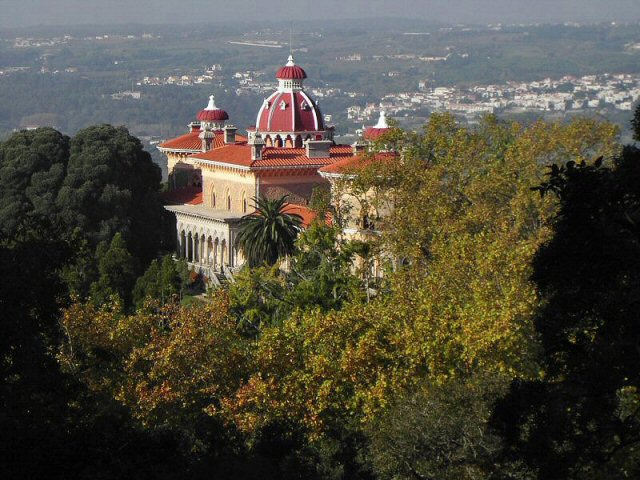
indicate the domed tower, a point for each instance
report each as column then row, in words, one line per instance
column 289, row 116
column 212, row 117
column 373, row 133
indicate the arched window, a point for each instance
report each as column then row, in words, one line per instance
column 244, row 202
column 213, row 197
column 228, row 200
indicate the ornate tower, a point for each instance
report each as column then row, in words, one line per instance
column 289, row 116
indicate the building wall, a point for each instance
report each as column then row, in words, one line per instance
column 207, row 241
column 181, row 171
column 298, row 185
column 226, row 182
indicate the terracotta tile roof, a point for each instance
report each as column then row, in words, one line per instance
column 240, row 154
column 184, row 196
column 353, row 164
column 373, row 133
column 294, row 157
column 191, row 142
column 305, row 212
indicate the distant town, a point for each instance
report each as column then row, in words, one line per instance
column 470, row 71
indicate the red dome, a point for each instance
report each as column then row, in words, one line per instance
column 382, row 127
column 216, row 115
column 212, row 113
column 372, row 133
column 289, row 112
column 291, row 73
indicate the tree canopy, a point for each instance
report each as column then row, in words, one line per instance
column 581, row 419
column 501, row 342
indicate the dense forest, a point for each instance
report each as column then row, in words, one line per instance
column 503, row 345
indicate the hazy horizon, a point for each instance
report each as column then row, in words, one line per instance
column 24, row 13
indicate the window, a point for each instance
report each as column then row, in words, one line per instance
column 213, row 197
column 244, row 203
column 283, row 105
column 368, row 223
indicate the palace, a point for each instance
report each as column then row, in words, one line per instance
column 214, row 171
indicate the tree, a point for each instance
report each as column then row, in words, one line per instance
column 32, row 169
column 319, row 276
column 117, row 270
column 87, row 189
column 112, row 187
column 463, row 304
column 162, row 281
column 581, row 419
column 438, row 432
column 268, row 234
column 172, row 367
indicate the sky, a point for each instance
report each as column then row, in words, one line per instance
column 21, row 13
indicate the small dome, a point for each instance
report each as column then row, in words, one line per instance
column 382, row 127
column 212, row 113
column 291, row 71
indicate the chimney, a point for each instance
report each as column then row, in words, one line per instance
column 257, row 145
column 230, row 134
column 319, row 148
column 207, row 137
column 359, row 147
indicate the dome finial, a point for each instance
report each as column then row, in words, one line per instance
column 290, row 62
column 382, row 121
column 212, row 103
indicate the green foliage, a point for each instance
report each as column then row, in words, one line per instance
column 111, row 187
column 439, row 431
column 87, row 188
column 462, row 308
column 318, row 276
column 32, row 169
column 82, row 270
column 50, row 427
column 162, row 281
column 581, row 419
column 268, row 234
column 291, row 373
column 320, row 201
column 116, row 268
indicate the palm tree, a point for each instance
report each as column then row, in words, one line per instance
column 268, row 233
